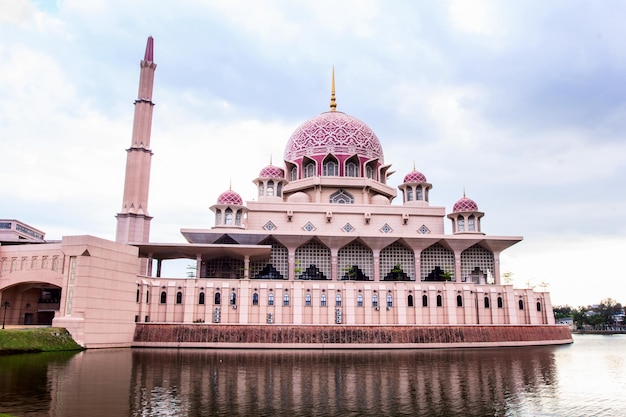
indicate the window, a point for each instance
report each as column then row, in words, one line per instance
column 163, row 297
column 460, row 224
column 218, row 298
column 138, row 295
column 338, row 300
column 424, row 300
column 409, row 194
column 179, row 297
column 486, row 302
column 352, row 170
column 309, row 170
column 261, row 191
column 286, row 299
column 330, row 169
column 307, row 300
column 369, row 171
column 201, row 298
column 389, row 300
column 499, row 302
column 270, row 188
column 341, row 197
column 418, row 193
column 323, row 300
column 218, row 216
column 270, row 299
column 439, row 301
column 410, row 300
column 255, row 299
column 374, row 300
column 279, row 189
column 147, row 297
column 233, row 298
column 238, row 218
column 538, row 306
column 293, row 174
column 459, row 301
column 228, row 216
column 471, row 223
column 359, row 300
column 521, row 304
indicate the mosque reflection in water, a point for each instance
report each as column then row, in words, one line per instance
column 162, row 382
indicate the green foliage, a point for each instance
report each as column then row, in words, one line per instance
column 48, row 339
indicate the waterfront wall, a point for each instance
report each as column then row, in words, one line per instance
column 350, row 337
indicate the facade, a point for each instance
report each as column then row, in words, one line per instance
column 322, row 251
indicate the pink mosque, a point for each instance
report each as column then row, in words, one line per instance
column 321, row 259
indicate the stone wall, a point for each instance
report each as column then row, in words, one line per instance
column 281, row 336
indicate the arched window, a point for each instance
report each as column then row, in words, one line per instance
column 228, row 216
column 486, row 302
column 338, row 300
column 307, row 300
column 460, row 221
column 218, row 216
column 471, row 224
column 389, row 300
column 270, row 188
column 341, row 197
column 410, row 300
column 439, row 301
column 270, row 299
column 293, row 174
column 369, row 171
column 521, row 304
column 218, row 299
column 255, row 299
column 409, row 194
column 352, row 169
column 286, row 299
column 261, row 190
column 330, row 169
column 538, row 306
column 163, row 297
column 459, row 301
column 279, row 189
column 323, row 300
column 374, row 300
column 424, row 300
column 233, row 298
column 418, row 193
column 309, row 170
column 238, row 218
column 201, row 298
column 359, row 300
column 499, row 302
column 179, row 297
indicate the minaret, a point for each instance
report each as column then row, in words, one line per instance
column 133, row 222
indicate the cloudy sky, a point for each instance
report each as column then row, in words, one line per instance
column 520, row 103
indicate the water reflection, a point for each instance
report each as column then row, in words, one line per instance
column 466, row 382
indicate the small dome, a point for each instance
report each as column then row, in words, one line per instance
column 271, row 171
column 230, row 197
column 415, row 176
column 299, row 197
column 464, row 204
column 333, row 132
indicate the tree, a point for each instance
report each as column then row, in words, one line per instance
column 562, row 311
column 609, row 308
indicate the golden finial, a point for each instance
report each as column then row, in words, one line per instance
column 230, row 184
column 333, row 102
column 464, row 192
column 270, row 159
column 414, row 166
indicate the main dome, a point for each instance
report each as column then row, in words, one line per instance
column 333, row 132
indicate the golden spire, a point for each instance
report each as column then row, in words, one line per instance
column 333, row 102
column 464, row 192
column 270, row 159
column 414, row 166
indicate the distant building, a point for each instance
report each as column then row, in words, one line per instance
column 322, row 251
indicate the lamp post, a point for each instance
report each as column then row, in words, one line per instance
column 6, row 305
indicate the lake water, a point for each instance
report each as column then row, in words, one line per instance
column 587, row 378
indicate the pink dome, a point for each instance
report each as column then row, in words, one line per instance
column 271, row 171
column 415, row 176
column 230, row 197
column 333, row 132
column 464, row 204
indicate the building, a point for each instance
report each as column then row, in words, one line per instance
column 322, row 256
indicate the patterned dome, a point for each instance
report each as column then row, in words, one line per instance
column 333, row 132
column 271, row 171
column 415, row 176
column 464, row 204
column 230, row 197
